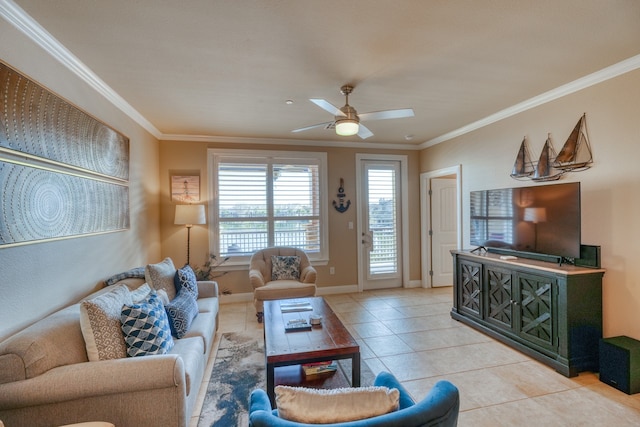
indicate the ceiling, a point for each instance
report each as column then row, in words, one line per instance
column 222, row 70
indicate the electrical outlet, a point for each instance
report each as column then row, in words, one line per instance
column 332, row 270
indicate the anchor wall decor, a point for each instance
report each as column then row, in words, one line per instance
column 341, row 207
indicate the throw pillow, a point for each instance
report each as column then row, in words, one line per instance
column 325, row 406
column 100, row 324
column 186, row 278
column 160, row 276
column 140, row 293
column 137, row 273
column 146, row 328
column 285, row 267
column 162, row 295
column 181, row 311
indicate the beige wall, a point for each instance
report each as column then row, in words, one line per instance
column 610, row 189
column 37, row 279
column 180, row 156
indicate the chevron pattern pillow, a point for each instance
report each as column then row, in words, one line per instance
column 186, row 278
column 146, row 328
column 181, row 311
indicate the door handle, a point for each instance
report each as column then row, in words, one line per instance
column 367, row 239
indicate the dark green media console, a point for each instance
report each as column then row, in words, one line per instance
column 552, row 313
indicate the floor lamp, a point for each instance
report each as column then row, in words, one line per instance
column 189, row 215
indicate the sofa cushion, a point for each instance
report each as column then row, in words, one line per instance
column 181, row 312
column 324, row 406
column 191, row 351
column 207, row 305
column 146, row 328
column 204, row 328
column 283, row 289
column 100, row 324
column 285, row 267
column 186, row 278
column 160, row 276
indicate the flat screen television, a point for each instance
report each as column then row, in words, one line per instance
column 543, row 219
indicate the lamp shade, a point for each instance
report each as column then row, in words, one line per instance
column 535, row 215
column 190, row 214
column 347, row 127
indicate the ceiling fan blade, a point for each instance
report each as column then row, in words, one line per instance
column 387, row 114
column 319, row 125
column 363, row 132
column 327, row 106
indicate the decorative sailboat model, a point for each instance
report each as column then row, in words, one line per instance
column 575, row 154
column 523, row 166
column 545, row 169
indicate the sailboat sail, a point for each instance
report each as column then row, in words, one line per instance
column 523, row 166
column 575, row 154
column 545, row 171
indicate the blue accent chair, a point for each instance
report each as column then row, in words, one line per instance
column 439, row 408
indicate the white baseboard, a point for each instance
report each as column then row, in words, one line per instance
column 415, row 284
column 327, row 290
column 332, row 290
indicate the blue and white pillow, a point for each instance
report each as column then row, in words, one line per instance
column 285, row 267
column 181, row 312
column 186, row 278
column 146, row 328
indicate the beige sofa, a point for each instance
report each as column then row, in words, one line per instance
column 46, row 378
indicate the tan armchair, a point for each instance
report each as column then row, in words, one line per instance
column 266, row 284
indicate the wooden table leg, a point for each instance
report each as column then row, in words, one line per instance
column 355, row 370
column 270, row 384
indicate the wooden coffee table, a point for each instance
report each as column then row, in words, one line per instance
column 328, row 341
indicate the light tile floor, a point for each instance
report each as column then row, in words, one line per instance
column 410, row 333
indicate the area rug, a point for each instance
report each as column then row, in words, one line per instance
column 238, row 369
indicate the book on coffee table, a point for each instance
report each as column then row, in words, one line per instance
column 291, row 307
column 319, row 369
column 295, row 325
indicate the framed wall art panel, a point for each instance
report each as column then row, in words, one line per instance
column 185, row 188
column 63, row 173
column 37, row 122
column 39, row 204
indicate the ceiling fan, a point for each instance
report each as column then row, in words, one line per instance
column 347, row 120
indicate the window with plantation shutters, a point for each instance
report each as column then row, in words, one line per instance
column 263, row 198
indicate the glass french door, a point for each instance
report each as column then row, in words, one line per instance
column 381, row 237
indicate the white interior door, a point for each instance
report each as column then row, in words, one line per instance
column 444, row 231
column 380, row 224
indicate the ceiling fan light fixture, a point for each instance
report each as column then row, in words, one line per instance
column 347, row 127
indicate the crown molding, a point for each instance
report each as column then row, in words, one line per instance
column 296, row 142
column 17, row 17
column 610, row 72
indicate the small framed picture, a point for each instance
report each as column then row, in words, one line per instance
column 185, row 188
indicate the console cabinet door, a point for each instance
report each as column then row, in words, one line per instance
column 536, row 304
column 470, row 286
column 499, row 297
